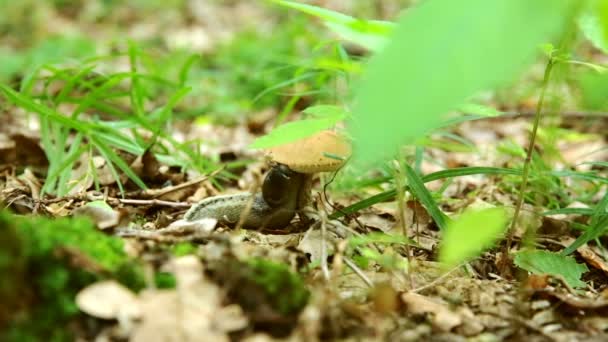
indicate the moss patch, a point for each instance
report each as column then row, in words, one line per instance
column 46, row 263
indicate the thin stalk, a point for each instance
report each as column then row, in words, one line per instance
column 323, row 214
column 528, row 161
column 399, row 177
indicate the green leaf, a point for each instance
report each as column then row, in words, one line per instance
column 371, row 34
column 378, row 238
column 360, row 34
column 594, row 24
column 545, row 262
column 479, row 109
column 598, row 226
column 438, row 58
column 602, row 11
column 326, row 117
column 416, row 186
column 593, row 88
column 326, row 111
column 470, row 234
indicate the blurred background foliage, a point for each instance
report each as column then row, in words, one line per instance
column 252, row 55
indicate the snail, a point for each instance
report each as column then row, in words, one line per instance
column 286, row 187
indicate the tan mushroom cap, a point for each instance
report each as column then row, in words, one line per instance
column 324, row 151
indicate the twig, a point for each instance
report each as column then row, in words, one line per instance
column 358, row 271
column 252, row 190
column 152, row 202
column 436, row 281
column 323, row 214
column 188, row 184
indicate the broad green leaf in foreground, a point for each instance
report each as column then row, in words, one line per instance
column 324, row 117
column 545, row 262
column 467, row 236
column 441, row 53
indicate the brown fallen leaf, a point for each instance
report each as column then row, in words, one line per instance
column 384, row 298
column 108, row 300
column 28, row 152
column 104, row 218
column 311, row 244
column 373, row 220
column 191, row 312
column 592, row 258
column 441, row 317
column 580, row 302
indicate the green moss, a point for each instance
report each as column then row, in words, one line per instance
column 11, row 264
column 183, row 248
column 285, row 291
column 49, row 261
column 164, row 280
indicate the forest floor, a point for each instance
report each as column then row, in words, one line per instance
column 352, row 280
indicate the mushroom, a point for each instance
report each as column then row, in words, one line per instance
column 286, row 187
column 323, row 152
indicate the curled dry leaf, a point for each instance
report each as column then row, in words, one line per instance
column 81, row 178
column 592, row 258
column 32, row 183
column 183, row 227
column 103, row 217
column 311, row 244
column 108, row 300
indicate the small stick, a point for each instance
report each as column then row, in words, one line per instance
column 436, row 281
column 324, row 266
column 186, row 184
column 253, row 190
column 358, row 271
column 526, row 169
column 152, row 202
column 400, row 203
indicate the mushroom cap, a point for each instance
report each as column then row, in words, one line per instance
column 324, row 151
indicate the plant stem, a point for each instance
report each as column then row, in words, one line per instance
column 528, row 161
column 399, row 177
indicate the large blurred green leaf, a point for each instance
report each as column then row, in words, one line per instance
column 441, row 53
column 594, row 90
column 324, row 117
column 470, row 234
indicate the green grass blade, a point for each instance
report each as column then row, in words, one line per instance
column 417, row 188
column 27, row 103
column 113, row 159
column 568, row 211
column 597, row 226
column 390, row 194
column 65, row 170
